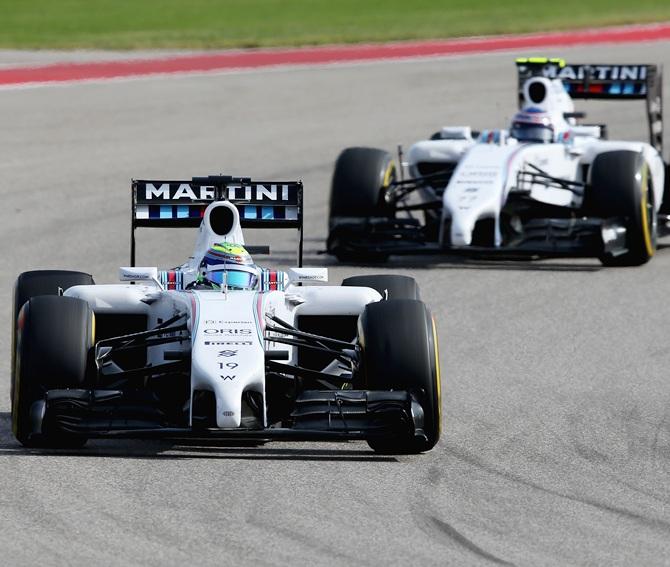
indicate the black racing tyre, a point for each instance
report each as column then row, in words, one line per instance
column 359, row 181
column 41, row 282
column 358, row 188
column 389, row 286
column 621, row 187
column 665, row 204
column 46, row 282
column 399, row 351
column 54, row 336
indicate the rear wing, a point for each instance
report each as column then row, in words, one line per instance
column 605, row 82
column 181, row 204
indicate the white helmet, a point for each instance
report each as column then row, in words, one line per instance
column 532, row 125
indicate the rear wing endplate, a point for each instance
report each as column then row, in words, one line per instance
column 182, row 204
column 605, row 82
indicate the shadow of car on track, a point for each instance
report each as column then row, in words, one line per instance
column 166, row 449
column 452, row 262
column 316, row 256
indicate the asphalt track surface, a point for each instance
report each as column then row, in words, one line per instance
column 556, row 447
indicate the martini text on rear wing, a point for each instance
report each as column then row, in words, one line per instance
column 181, row 204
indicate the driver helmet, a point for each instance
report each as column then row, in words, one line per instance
column 532, row 125
column 230, row 265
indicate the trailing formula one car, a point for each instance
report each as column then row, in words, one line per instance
column 547, row 186
column 219, row 347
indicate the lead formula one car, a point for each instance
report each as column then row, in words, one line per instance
column 547, row 186
column 220, row 347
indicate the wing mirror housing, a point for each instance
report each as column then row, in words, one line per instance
column 307, row 275
column 140, row 274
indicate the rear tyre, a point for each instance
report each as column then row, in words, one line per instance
column 360, row 181
column 399, row 352
column 621, row 187
column 388, row 286
column 41, row 282
column 54, row 335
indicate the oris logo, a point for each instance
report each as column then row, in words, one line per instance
column 227, row 331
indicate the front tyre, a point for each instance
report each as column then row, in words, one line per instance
column 54, row 336
column 358, row 190
column 399, row 350
column 40, row 282
column 621, row 187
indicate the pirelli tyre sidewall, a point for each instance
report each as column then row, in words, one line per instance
column 621, row 186
column 399, row 350
column 54, row 337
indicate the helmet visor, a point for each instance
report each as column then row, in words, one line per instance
column 532, row 133
column 235, row 279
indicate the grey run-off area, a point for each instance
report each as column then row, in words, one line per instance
column 556, row 445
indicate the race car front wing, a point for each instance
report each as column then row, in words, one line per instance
column 114, row 402
column 541, row 237
column 330, row 415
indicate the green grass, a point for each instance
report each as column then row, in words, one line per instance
column 134, row 24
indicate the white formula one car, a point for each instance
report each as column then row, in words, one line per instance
column 547, row 186
column 220, row 348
